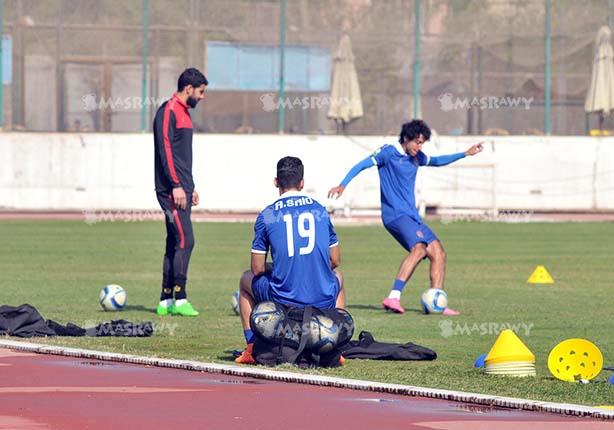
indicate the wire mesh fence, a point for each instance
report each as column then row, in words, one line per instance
column 465, row 66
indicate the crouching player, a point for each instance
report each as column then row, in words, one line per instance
column 300, row 236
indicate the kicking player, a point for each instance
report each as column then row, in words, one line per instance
column 175, row 188
column 300, row 236
column 397, row 167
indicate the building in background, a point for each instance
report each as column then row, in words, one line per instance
column 79, row 65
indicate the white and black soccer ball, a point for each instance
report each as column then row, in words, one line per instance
column 234, row 300
column 323, row 334
column 346, row 328
column 434, row 301
column 267, row 319
column 112, row 298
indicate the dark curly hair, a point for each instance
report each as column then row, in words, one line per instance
column 413, row 129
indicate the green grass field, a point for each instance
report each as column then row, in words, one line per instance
column 60, row 266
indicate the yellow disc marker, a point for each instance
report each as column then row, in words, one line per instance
column 508, row 347
column 540, row 276
column 575, row 359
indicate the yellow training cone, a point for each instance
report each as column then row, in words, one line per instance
column 508, row 347
column 540, row 276
column 575, row 359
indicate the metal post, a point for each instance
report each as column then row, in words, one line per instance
column 155, row 72
column 471, row 110
column 18, row 83
column 190, row 35
column 281, row 113
column 610, row 11
column 479, row 84
column 59, row 72
column 145, row 62
column 1, row 63
column 416, row 68
column 547, row 71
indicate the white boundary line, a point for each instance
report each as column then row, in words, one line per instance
column 327, row 381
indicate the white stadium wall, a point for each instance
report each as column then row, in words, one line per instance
column 56, row 171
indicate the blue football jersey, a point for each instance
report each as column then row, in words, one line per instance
column 397, row 175
column 299, row 234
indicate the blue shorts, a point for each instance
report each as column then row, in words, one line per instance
column 261, row 288
column 408, row 232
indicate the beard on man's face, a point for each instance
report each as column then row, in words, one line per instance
column 192, row 102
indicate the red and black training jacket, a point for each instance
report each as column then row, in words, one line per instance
column 172, row 128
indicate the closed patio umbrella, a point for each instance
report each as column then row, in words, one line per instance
column 600, row 96
column 345, row 102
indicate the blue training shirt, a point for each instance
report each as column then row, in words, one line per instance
column 397, row 176
column 299, row 233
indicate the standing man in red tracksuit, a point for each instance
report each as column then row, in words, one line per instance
column 175, row 188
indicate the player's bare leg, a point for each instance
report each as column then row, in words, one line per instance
column 408, row 266
column 246, row 298
column 246, row 304
column 437, row 255
column 340, row 303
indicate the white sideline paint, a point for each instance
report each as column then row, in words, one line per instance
column 95, row 171
column 327, row 381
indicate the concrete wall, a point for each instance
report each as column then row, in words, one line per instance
column 55, row 171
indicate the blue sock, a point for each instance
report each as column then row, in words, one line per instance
column 398, row 285
column 250, row 337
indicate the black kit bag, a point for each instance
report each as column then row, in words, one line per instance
column 306, row 337
column 366, row 347
column 26, row 321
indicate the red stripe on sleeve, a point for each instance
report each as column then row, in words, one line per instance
column 167, row 143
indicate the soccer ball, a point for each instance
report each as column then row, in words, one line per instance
column 112, row 298
column 346, row 331
column 323, row 334
column 234, row 300
column 434, row 301
column 266, row 319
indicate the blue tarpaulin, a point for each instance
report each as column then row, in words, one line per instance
column 243, row 67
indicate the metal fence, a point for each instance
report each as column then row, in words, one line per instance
column 465, row 66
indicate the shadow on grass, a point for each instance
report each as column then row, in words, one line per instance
column 365, row 307
column 135, row 308
column 415, row 311
column 229, row 355
column 380, row 309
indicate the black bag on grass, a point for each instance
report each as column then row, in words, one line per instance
column 305, row 337
column 366, row 347
column 23, row 321
column 26, row 321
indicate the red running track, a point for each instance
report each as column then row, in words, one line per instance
column 52, row 392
